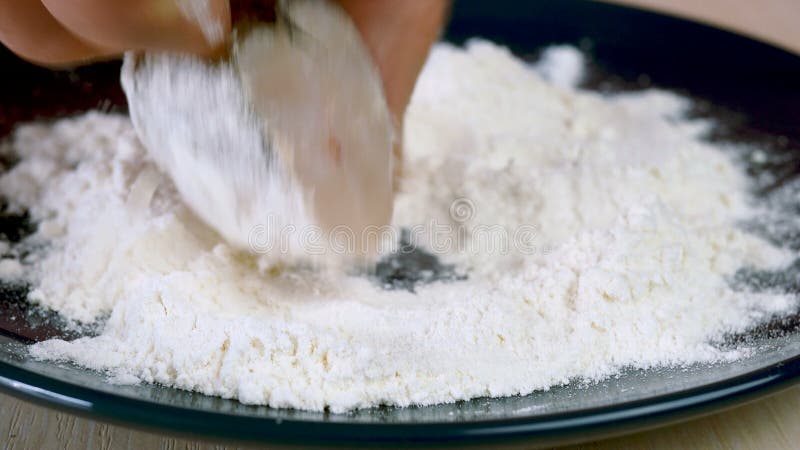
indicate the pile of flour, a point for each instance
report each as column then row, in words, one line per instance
column 628, row 235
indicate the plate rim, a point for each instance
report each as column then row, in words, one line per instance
column 587, row 423
column 561, row 427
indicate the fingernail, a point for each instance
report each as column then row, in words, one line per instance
column 207, row 17
column 200, row 26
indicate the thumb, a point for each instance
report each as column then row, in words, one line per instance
column 195, row 26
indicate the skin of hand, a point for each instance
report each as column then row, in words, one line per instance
column 398, row 34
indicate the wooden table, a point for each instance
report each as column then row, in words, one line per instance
column 771, row 423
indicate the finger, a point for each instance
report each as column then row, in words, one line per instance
column 399, row 36
column 195, row 26
column 29, row 30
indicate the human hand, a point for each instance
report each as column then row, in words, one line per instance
column 65, row 32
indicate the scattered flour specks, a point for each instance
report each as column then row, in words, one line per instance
column 631, row 237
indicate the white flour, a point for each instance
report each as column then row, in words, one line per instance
column 628, row 235
column 234, row 135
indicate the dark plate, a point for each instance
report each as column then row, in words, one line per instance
column 752, row 89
